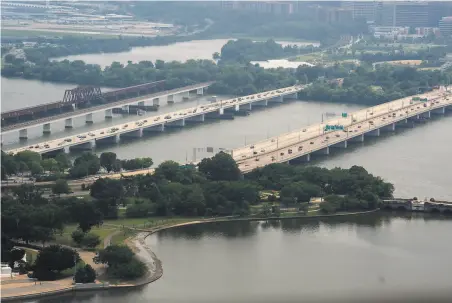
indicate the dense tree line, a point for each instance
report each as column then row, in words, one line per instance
column 60, row 167
column 368, row 86
column 245, row 50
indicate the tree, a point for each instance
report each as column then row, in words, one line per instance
column 16, row 254
column 56, row 258
column 114, row 255
column 60, row 187
column 108, row 189
column 90, row 240
column 50, row 165
column 85, row 274
column 220, row 167
column 83, row 212
column 63, row 161
column 108, row 160
column 35, row 168
column 216, row 56
column 127, row 271
column 77, row 235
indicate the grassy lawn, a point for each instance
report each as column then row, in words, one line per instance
column 122, row 236
column 66, row 239
column 149, row 222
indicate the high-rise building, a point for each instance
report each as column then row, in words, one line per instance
column 438, row 10
column 274, row 7
column 445, row 26
column 405, row 13
column 369, row 10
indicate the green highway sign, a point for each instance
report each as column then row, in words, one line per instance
column 334, row 127
column 344, row 115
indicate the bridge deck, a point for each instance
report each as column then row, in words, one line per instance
column 314, row 138
column 84, row 111
column 153, row 121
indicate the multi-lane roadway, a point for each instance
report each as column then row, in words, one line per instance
column 157, row 121
column 311, row 139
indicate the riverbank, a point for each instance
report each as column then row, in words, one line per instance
column 144, row 253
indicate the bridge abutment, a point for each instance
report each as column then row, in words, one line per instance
column 46, row 128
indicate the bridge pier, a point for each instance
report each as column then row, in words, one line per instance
column 170, row 100
column 439, row 111
column 425, row 115
column 156, row 102
column 176, row 123
column 46, row 128
column 23, row 134
column 373, row 133
column 186, row 95
column 132, row 134
column 302, row 159
column 261, row 103
column 200, row 91
column 291, row 96
column 141, row 103
column 388, row 128
column 342, row 144
column 82, row 146
column 247, row 106
column 156, row 128
column 89, row 119
column 277, row 99
column 68, row 123
column 195, row 119
column 405, row 123
column 323, row 151
column 126, row 108
column 108, row 113
column 359, row 138
column 107, row 140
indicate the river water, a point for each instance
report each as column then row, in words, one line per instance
column 290, row 260
column 182, row 51
column 257, row 261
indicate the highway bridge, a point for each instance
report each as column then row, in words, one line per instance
column 215, row 110
column 139, row 102
column 316, row 139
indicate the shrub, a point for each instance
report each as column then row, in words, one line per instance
column 90, row 240
column 85, row 274
column 78, row 235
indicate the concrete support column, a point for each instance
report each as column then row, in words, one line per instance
column 23, row 134
column 388, row 128
column 89, row 119
column 323, row 151
column 141, row 103
column 133, row 134
column 236, row 107
column 359, row 138
column 68, row 123
column 425, row 115
column 177, row 123
column 46, row 128
column 156, row 102
column 169, row 101
column 108, row 113
column 221, row 110
column 198, row 118
column 186, row 95
column 439, row 111
column 373, row 133
column 156, row 128
column 247, row 106
column 200, row 91
column 126, row 108
column 342, row 144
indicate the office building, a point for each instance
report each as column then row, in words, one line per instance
column 445, row 26
column 368, row 10
column 405, row 13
